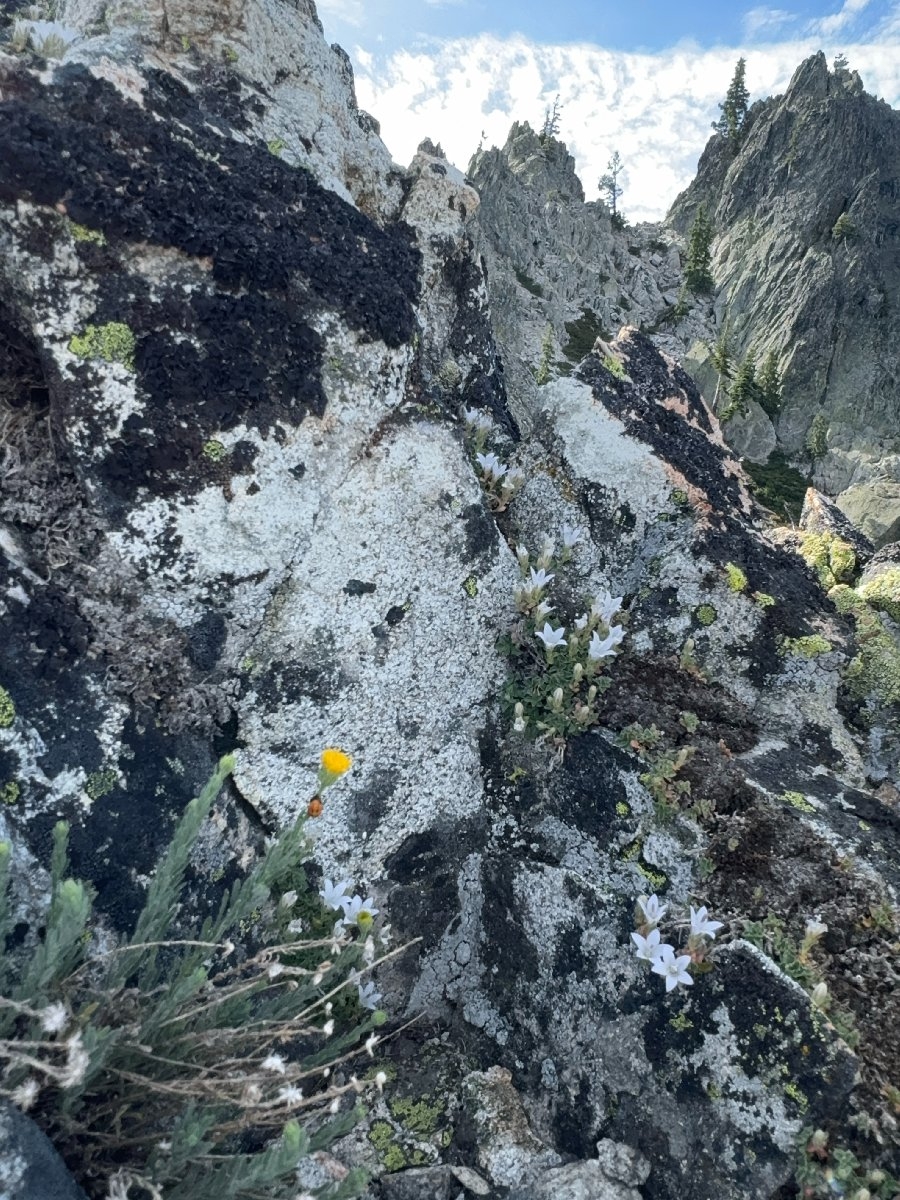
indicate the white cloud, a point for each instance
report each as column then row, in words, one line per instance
column 350, row 11
column 828, row 26
column 765, row 20
column 656, row 109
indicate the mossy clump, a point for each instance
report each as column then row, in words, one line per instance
column 737, row 580
column 807, row 647
column 705, row 614
column 883, row 593
column 875, row 669
column 418, row 1116
column 614, row 366
column 113, row 343
column 275, row 146
column 7, row 709
column 214, row 450
column 832, row 559
column 10, row 792
column 101, row 783
column 81, row 233
column 680, row 498
column 763, row 599
column 393, row 1156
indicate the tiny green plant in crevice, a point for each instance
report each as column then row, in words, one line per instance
column 661, row 778
column 826, row 1169
column 193, row 1063
column 798, row 960
column 557, row 669
column 275, row 146
column 737, row 580
column 500, row 481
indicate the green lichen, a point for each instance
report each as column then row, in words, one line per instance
column 275, row 146
column 10, row 792
column 113, row 342
column 832, row 559
column 792, row 1090
column 682, row 1023
column 7, row 709
column 705, row 614
column 763, row 599
column 680, row 498
column 393, row 1156
column 797, row 800
column 623, row 809
column 229, row 54
column 737, row 580
column 656, row 879
column 214, row 450
column 81, row 233
column 806, row 647
column 883, row 593
column 470, row 587
column 100, row 783
column 417, row 1116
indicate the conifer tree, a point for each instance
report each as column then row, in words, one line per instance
column 768, row 384
column 734, row 106
column 697, row 273
column 611, row 188
column 722, row 359
column 744, row 387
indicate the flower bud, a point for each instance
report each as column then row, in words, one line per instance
column 577, row 671
column 592, row 694
column 819, row 996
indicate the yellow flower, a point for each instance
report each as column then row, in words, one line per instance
column 336, row 762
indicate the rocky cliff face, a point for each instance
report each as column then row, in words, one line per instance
column 807, row 264
column 241, row 510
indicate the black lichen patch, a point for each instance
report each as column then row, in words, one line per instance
column 471, row 339
column 161, row 174
column 262, row 222
column 369, row 806
column 316, row 678
column 641, row 406
column 206, row 640
column 482, row 537
column 358, row 587
column 118, row 842
column 425, row 869
column 588, row 786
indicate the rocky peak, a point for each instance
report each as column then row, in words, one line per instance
column 542, row 163
column 807, row 218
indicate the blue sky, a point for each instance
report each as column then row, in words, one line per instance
column 640, row 76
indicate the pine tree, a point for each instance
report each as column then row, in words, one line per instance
column 611, row 188
column 697, row 273
column 768, row 384
column 744, row 387
column 550, row 128
column 734, row 106
column 723, row 360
